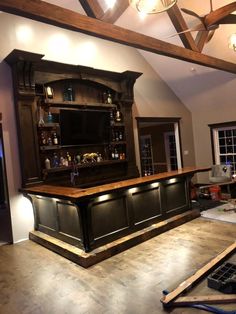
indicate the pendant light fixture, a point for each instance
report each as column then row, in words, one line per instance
column 152, row 6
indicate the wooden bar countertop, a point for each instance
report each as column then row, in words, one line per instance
column 74, row 193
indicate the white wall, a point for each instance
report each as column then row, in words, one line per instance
column 152, row 96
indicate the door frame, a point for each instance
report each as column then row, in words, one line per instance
column 160, row 120
column 5, row 215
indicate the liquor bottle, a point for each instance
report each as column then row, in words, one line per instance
column 49, row 141
column 120, row 136
column 111, row 118
column 68, row 156
column 55, row 139
column 117, row 136
column 78, row 159
column 49, row 117
column 55, row 161
column 47, row 163
column 112, row 153
column 43, row 140
column 62, row 161
column 118, row 115
column 116, row 154
column 109, row 98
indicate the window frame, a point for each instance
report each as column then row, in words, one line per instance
column 214, row 131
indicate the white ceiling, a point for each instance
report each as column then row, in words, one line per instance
column 189, row 82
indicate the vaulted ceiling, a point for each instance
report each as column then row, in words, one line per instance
column 186, row 79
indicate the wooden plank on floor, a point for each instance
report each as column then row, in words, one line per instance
column 206, row 299
column 191, row 281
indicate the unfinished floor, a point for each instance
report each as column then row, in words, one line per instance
column 36, row 280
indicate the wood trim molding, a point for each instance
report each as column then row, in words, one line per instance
column 54, row 15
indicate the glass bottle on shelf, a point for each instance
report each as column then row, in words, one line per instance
column 68, row 94
column 109, row 98
column 120, row 135
column 41, row 114
column 55, row 139
column 47, row 163
column 112, row 118
column 68, row 156
column 55, row 161
column 49, row 141
column 49, row 117
column 118, row 115
column 43, row 140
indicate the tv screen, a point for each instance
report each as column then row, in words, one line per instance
column 81, row 127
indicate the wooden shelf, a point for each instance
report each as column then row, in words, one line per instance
column 84, row 165
column 50, row 147
column 49, row 125
column 114, row 143
column 52, row 102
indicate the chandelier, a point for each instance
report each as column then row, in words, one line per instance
column 152, row 6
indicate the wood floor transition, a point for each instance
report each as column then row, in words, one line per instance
column 36, row 280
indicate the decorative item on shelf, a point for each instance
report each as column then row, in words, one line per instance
column 118, row 114
column 90, row 157
column 49, row 92
column 49, row 117
column 69, row 94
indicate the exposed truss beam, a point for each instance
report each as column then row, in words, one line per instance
column 180, row 25
column 93, row 9
column 54, row 15
column 201, row 39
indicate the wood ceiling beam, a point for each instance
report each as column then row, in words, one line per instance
column 180, row 25
column 112, row 15
column 92, row 8
column 201, row 39
column 58, row 16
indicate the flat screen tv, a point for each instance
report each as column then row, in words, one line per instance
column 81, row 127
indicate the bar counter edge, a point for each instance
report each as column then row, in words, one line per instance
column 91, row 217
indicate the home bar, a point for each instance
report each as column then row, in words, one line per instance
column 78, row 164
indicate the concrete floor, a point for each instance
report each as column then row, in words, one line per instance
column 36, row 280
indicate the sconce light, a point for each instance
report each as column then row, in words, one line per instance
column 152, row 6
column 232, row 42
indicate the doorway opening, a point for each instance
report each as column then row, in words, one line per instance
column 159, row 144
column 5, row 218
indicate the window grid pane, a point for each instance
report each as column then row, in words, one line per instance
column 227, row 147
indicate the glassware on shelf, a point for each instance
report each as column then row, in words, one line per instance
column 41, row 115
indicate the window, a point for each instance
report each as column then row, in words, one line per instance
column 224, row 144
